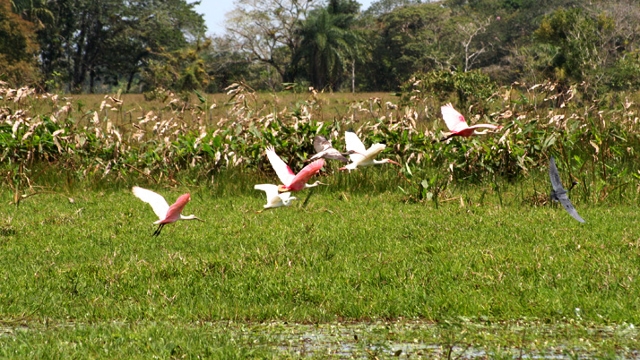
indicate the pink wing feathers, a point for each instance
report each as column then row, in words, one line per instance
column 454, row 120
column 282, row 170
column 298, row 181
column 173, row 214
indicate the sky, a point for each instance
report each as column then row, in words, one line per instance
column 214, row 13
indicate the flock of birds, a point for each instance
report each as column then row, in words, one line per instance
column 357, row 154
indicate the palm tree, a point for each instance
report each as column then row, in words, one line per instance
column 328, row 47
column 35, row 11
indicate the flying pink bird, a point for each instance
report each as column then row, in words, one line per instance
column 167, row 214
column 458, row 125
column 291, row 181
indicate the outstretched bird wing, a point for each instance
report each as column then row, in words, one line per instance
column 560, row 193
column 556, row 184
column 320, row 143
column 373, row 151
column 174, row 211
column 307, row 172
column 285, row 196
column 333, row 154
column 157, row 202
column 324, row 149
column 353, row 143
column 454, row 120
column 566, row 203
column 270, row 190
column 282, row 170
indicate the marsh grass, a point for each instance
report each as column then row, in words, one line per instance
column 179, row 140
column 463, row 230
column 276, row 339
column 347, row 256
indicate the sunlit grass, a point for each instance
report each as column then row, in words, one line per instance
column 343, row 256
column 348, row 255
column 463, row 232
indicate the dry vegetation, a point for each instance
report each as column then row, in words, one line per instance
column 187, row 138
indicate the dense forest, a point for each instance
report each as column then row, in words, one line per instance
column 95, row 46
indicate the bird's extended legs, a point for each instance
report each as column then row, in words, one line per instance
column 304, row 204
column 158, row 230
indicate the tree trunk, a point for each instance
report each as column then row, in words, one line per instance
column 78, row 69
column 353, row 76
column 130, row 81
column 92, row 78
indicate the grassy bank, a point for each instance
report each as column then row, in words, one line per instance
column 457, row 250
column 344, row 257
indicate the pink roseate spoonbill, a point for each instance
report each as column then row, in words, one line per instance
column 325, row 150
column 274, row 199
column 291, row 181
column 458, row 125
column 166, row 214
column 362, row 156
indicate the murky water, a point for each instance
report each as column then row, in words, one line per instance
column 406, row 339
column 415, row 339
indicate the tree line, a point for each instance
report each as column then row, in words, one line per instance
column 140, row 45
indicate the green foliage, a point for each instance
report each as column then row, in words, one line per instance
column 405, row 41
column 327, row 47
column 17, row 48
column 224, row 288
column 226, row 65
column 381, row 7
column 182, row 70
column 625, row 74
column 108, row 145
column 362, row 249
column 471, row 88
column 584, row 43
column 97, row 45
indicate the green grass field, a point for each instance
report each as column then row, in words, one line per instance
column 351, row 274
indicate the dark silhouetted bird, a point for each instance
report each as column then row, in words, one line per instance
column 324, row 149
column 559, row 193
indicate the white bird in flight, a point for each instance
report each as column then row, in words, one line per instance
column 274, row 198
column 362, row 156
column 166, row 214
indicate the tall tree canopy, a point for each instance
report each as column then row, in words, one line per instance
column 89, row 42
column 17, row 47
column 267, row 31
column 136, row 45
column 329, row 45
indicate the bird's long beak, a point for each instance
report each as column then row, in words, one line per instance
column 394, row 162
column 573, row 184
column 321, row 183
column 197, row 218
column 446, row 137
